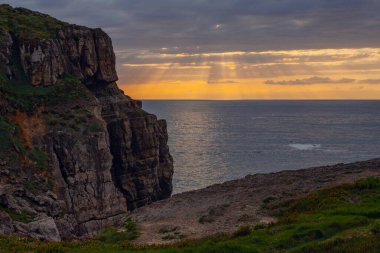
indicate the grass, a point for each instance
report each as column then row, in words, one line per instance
column 23, row 216
column 27, row 24
column 137, row 113
column 9, row 139
column 77, row 120
column 31, row 186
column 39, row 157
column 111, row 235
column 6, row 135
column 94, row 127
column 342, row 219
column 27, row 98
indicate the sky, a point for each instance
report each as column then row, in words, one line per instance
column 236, row 49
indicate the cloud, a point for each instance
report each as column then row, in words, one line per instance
column 311, row 81
column 370, row 81
column 222, row 82
column 228, row 40
column 217, row 67
column 223, row 25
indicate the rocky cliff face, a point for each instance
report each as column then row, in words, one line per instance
column 87, row 54
column 76, row 154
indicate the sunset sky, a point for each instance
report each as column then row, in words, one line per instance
column 236, row 49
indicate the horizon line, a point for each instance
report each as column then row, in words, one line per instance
column 179, row 99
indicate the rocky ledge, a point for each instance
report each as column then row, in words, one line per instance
column 76, row 154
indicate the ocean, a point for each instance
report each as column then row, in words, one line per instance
column 216, row 141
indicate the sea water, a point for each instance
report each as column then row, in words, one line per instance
column 215, row 141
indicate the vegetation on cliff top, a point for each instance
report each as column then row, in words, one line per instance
column 341, row 219
column 28, row 24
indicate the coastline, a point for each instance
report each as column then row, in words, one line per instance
column 223, row 208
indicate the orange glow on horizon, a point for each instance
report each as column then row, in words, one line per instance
column 245, row 91
column 294, row 74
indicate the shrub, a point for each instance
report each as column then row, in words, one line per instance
column 206, row 219
column 368, row 184
column 74, row 127
column 260, row 226
column 33, row 187
column 39, row 157
column 167, row 229
column 243, row 231
column 137, row 113
column 376, row 228
column 50, row 184
column 94, row 127
column 131, row 227
column 111, row 235
column 51, row 122
column 268, row 200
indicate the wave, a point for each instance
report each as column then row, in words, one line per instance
column 300, row 146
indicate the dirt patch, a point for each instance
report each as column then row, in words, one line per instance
column 31, row 126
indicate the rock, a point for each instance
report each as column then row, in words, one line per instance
column 52, row 195
column 6, row 227
column 4, row 201
column 142, row 165
column 85, row 53
column 3, row 163
column 44, row 229
column 91, row 178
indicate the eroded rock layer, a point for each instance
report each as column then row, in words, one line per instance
column 76, row 154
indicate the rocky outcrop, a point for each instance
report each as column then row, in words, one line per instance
column 85, row 53
column 84, row 154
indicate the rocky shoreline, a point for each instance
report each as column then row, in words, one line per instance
column 223, row 208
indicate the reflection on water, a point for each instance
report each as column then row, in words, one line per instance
column 195, row 131
column 215, row 141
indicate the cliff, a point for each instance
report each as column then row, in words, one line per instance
column 76, row 154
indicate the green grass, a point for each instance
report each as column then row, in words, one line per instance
column 6, row 135
column 9, row 139
column 75, row 120
column 23, row 216
column 33, row 187
column 28, row 24
column 111, row 235
column 94, row 127
column 27, row 98
column 137, row 113
column 342, row 219
column 39, row 157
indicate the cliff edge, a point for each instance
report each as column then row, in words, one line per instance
column 76, row 154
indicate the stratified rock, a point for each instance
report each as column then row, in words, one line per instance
column 85, row 53
column 77, row 165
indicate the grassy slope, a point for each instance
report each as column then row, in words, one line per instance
column 342, row 219
column 28, row 24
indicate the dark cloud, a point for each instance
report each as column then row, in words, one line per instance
column 311, row 81
column 223, row 25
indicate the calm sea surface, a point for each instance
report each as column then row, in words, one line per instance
column 216, row 141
